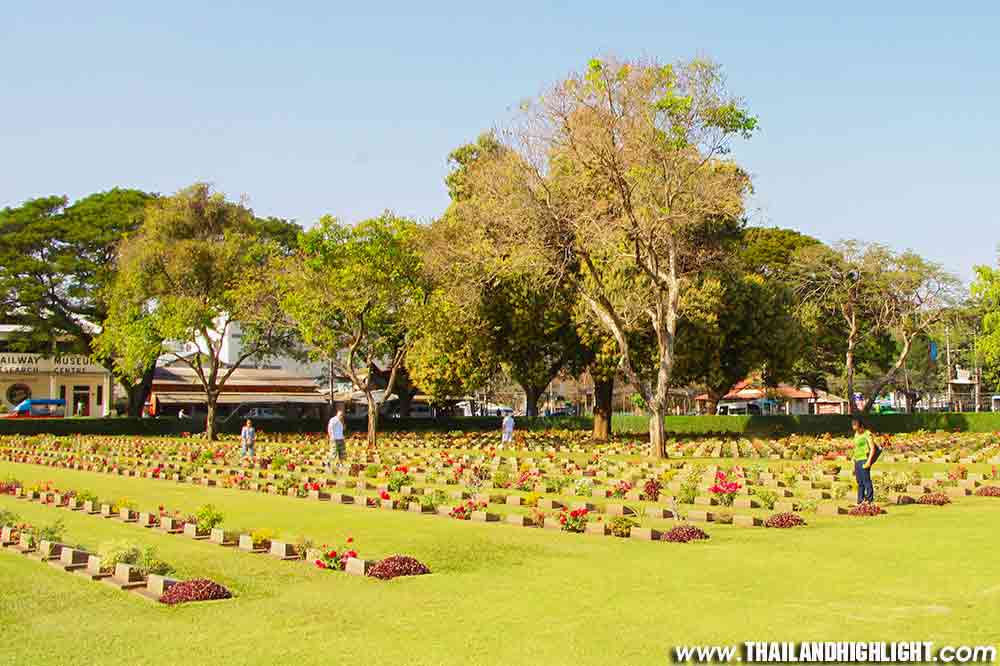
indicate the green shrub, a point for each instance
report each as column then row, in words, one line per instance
column 689, row 485
column 766, row 497
column 114, row 553
column 287, row 482
column 433, row 500
column 621, row 525
column 8, row 518
column 556, row 484
column 208, row 518
column 86, row 496
column 151, row 564
column 123, row 503
column 501, row 479
column 51, row 532
column 397, row 480
column 262, row 536
column 687, row 493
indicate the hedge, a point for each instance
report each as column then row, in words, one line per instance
column 824, row 423
column 131, row 426
column 622, row 424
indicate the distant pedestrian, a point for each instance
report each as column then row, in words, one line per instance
column 248, row 440
column 507, row 429
column 181, row 414
column 335, row 429
column 864, row 458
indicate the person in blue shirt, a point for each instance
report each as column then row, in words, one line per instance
column 248, row 440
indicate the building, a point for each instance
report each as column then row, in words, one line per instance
column 231, row 349
column 85, row 385
column 746, row 397
column 177, row 388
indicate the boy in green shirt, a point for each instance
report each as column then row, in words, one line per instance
column 864, row 457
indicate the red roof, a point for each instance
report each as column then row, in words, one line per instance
column 744, row 390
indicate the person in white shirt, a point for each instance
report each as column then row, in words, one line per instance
column 507, row 429
column 335, row 429
column 248, row 438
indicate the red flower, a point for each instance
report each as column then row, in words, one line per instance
column 350, row 539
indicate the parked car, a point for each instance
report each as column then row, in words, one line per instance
column 562, row 411
column 263, row 414
column 418, row 410
column 38, row 408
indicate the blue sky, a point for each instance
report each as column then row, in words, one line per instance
column 879, row 120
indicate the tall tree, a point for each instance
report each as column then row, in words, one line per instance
column 350, row 293
column 532, row 332
column 876, row 292
column 921, row 374
column 57, row 263
column 619, row 171
column 985, row 292
column 197, row 266
column 452, row 355
column 731, row 325
column 770, row 252
column 527, row 319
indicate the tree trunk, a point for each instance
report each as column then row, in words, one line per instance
column 532, row 394
column 603, row 392
column 712, row 403
column 331, row 372
column 372, row 421
column 137, row 393
column 658, row 432
column 211, row 402
column 849, row 366
column 889, row 376
column 405, row 402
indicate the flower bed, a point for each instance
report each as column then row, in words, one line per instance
column 574, row 521
column 866, row 509
column 684, row 533
column 934, row 499
column 465, row 511
column 199, row 589
column 336, row 560
column 988, row 491
column 397, row 566
column 785, row 520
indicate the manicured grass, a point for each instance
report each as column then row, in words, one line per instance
column 500, row 594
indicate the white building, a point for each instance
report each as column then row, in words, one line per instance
column 232, row 349
column 75, row 378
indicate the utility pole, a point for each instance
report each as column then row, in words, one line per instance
column 330, row 372
column 947, row 342
column 975, row 366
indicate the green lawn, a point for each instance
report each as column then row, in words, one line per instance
column 501, row 594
